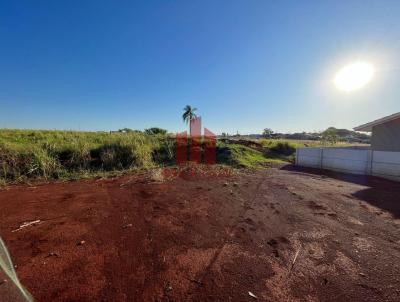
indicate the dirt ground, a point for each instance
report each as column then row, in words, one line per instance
column 281, row 234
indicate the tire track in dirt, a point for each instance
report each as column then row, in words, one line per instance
column 220, row 248
column 124, row 258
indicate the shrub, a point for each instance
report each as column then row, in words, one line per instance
column 33, row 161
column 242, row 156
column 164, row 151
column 124, row 155
column 51, row 154
column 155, row 131
column 283, row 148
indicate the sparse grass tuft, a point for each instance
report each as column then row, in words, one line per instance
column 157, row 175
column 3, row 183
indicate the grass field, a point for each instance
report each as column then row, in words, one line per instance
column 51, row 154
column 65, row 154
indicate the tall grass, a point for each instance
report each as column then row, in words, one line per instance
column 26, row 154
column 56, row 154
column 242, row 156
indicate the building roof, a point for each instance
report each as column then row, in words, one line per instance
column 368, row 126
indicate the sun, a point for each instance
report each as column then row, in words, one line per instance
column 354, row 76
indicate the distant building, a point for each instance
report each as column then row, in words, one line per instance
column 385, row 133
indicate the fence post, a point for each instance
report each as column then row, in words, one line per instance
column 370, row 160
column 321, row 158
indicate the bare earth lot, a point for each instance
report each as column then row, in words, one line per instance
column 208, row 237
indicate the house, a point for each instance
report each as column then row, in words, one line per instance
column 385, row 133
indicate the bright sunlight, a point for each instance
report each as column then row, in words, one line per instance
column 354, row 76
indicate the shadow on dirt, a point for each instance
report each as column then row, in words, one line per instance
column 381, row 198
column 381, row 193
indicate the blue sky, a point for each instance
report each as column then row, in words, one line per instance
column 247, row 65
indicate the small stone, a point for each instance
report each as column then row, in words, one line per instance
column 52, row 254
column 128, row 226
column 225, row 184
column 235, row 184
column 81, row 242
column 362, row 275
column 168, row 287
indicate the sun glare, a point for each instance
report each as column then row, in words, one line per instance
column 354, row 76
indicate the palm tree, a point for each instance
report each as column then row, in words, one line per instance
column 188, row 114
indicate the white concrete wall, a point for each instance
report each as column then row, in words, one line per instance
column 379, row 163
column 386, row 164
column 308, row 157
column 345, row 160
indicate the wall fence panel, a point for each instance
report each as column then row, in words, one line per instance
column 355, row 161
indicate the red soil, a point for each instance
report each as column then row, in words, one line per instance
column 207, row 237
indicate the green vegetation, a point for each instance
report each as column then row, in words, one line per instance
column 253, row 153
column 238, row 155
column 280, row 147
column 280, row 144
column 155, row 131
column 189, row 113
column 30, row 154
column 329, row 136
column 294, row 143
column 67, row 154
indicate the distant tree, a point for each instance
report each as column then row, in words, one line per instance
column 155, row 130
column 188, row 114
column 128, row 130
column 349, row 135
column 267, row 132
column 330, row 136
column 125, row 130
